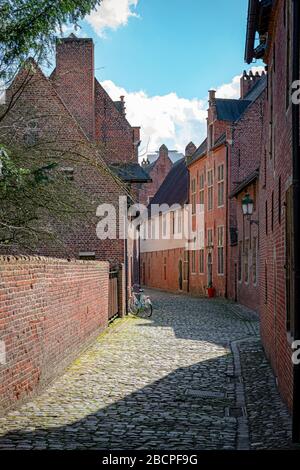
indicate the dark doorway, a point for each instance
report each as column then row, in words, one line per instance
column 180, row 275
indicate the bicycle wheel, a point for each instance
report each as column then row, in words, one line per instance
column 148, row 310
column 133, row 307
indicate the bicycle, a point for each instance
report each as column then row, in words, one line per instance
column 140, row 303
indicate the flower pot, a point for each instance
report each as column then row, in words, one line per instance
column 211, row 292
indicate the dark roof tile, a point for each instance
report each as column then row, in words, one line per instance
column 174, row 189
column 257, row 90
column 200, row 152
column 130, row 172
column 229, row 109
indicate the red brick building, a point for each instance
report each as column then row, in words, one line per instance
column 72, row 118
column 157, row 171
column 245, row 152
column 277, row 26
column 210, row 173
column 164, row 254
column 102, row 120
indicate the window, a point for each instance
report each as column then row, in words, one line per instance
column 266, row 217
column 289, row 262
column 68, row 173
column 144, row 231
column 186, row 266
column 154, row 222
column 31, row 135
column 272, row 211
column 279, row 200
column 265, row 168
column 240, row 262
column 193, row 262
column 209, row 237
column 220, row 185
column 179, row 221
column 201, row 261
column 201, row 192
column 172, row 215
column 254, row 260
column 266, row 282
column 246, row 261
column 193, row 192
column 164, row 223
column 210, row 190
column 220, row 250
column 87, row 255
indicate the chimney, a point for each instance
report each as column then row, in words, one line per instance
column 136, row 139
column 190, row 149
column 212, row 97
column 74, row 79
column 163, row 152
column 248, row 80
column 122, row 105
column 136, row 135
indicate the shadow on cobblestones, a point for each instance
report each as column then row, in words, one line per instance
column 166, row 414
column 162, row 383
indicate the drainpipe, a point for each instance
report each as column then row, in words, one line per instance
column 227, row 239
column 296, row 216
column 126, row 260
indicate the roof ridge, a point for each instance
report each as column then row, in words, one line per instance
column 114, row 102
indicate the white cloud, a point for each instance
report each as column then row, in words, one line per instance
column 68, row 29
column 169, row 119
column 165, row 119
column 111, row 14
column 232, row 90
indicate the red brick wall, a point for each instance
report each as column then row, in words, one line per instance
column 272, row 244
column 74, row 80
column 113, row 131
column 153, row 273
column 245, row 156
column 65, row 143
column 245, row 292
column 158, row 174
column 213, row 219
column 47, row 317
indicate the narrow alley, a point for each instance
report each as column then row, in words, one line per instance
column 194, row 376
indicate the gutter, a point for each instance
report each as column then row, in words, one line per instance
column 254, row 176
column 227, row 221
column 251, row 21
column 296, row 216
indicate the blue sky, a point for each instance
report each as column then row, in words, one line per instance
column 185, row 46
column 164, row 55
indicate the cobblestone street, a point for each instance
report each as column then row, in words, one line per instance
column 194, row 376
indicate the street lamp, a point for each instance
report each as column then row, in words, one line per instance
column 247, row 205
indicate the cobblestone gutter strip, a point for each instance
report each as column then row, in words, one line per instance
column 268, row 418
column 243, row 438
